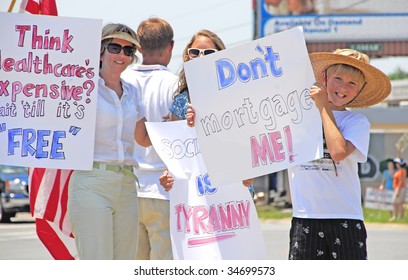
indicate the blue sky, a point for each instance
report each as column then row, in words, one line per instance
column 232, row 20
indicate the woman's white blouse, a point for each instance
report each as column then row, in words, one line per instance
column 115, row 123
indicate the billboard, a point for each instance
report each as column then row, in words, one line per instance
column 376, row 27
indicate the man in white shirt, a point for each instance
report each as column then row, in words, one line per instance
column 157, row 84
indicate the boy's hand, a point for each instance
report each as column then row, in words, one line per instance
column 318, row 93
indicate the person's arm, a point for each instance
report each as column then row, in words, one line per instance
column 173, row 117
column 339, row 147
column 141, row 136
column 382, row 185
column 179, row 107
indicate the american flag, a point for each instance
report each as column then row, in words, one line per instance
column 48, row 204
column 43, row 7
column 49, row 187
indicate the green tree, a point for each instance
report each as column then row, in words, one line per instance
column 398, row 74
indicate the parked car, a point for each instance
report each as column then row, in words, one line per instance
column 13, row 191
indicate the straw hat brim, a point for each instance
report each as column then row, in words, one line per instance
column 376, row 88
column 124, row 36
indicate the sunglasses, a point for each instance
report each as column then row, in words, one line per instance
column 194, row 52
column 116, row 48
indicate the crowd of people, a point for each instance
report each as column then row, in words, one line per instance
column 120, row 209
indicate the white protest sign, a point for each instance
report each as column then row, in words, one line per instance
column 254, row 114
column 49, row 69
column 206, row 221
column 378, row 199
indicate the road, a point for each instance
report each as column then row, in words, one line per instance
column 384, row 241
column 18, row 241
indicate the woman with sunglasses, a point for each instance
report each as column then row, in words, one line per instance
column 204, row 42
column 102, row 203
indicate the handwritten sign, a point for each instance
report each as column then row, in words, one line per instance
column 379, row 199
column 207, row 221
column 48, row 88
column 254, row 114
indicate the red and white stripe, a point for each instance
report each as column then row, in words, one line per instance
column 48, row 203
column 43, row 7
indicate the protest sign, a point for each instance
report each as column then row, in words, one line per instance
column 207, row 221
column 254, row 114
column 48, row 88
column 378, row 199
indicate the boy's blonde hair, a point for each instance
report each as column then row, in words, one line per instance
column 375, row 85
column 355, row 73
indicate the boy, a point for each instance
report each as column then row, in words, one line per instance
column 328, row 218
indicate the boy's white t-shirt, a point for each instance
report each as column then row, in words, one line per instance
column 317, row 192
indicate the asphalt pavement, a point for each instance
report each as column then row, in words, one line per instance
column 18, row 240
column 384, row 241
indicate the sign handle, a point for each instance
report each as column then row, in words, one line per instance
column 11, row 7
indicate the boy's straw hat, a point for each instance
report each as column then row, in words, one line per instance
column 376, row 88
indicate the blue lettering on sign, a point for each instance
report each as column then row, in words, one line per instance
column 36, row 143
column 204, row 185
column 225, row 67
column 228, row 72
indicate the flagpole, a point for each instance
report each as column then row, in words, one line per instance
column 11, row 7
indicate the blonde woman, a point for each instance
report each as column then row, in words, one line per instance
column 204, row 42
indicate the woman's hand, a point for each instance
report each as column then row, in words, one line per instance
column 190, row 116
column 166, row 118
column 166, row 180
column 248, row 182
